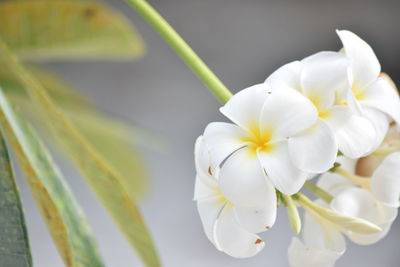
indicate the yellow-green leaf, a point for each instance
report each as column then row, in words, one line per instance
column 110, row 137
column 14, row 241
column 65, row 219
column 111, row 189
column 67, row 30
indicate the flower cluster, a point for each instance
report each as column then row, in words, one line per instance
column 287, row 130
column 367, row 188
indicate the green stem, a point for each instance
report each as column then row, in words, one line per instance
column 358, row 180
column 293, row 214
column 318, row 191
column 182, row 49
column 384, row 151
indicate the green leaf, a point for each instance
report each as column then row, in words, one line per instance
column 64, row 217
column 67, row 30
column 111, row 189
column 14, row 241
column 110, row 137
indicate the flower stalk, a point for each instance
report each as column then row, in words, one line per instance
column 187, row 54
column 318, row 191
column 293, row 214
column 385, row 151
column 361, row 181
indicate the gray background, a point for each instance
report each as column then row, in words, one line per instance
column 243, row 42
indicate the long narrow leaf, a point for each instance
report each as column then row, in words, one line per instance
column 112, row 138
column 68, row 30
column 65, row 219
column 104, row 180
column 14, row 241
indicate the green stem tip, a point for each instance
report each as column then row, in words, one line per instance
column 182, row 49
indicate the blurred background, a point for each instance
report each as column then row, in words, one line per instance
column 243, row 42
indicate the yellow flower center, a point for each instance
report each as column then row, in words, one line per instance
column 323, row 114
column 258, row 140
column 357, row 91
column 316, row 100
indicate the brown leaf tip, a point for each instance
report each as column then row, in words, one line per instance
column 209, row 170
column 89, row 12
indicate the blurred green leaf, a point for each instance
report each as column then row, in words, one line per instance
column 67, row 30
column 14, row 241
column 64, row 217
column 59, row 91
column 111, row 189
column 110, row 137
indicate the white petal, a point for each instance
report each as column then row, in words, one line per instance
column 372, row 238
column 315, row 149
column 244, row 108
column 286, row 76
column 320, row 233
column 287, row 112
column 206, row 184
column 382, row 96
column 385, row 183
column 380, row 122
column 209, row 211
column 347, row 163
column 323, row 243
column 243, row 181
column 260, row 219
column 205, row 187
column 284, row 175
column 355, row 134
column 365, row 65
column 355, row 202
column 334, row 183
column 222, row 139
column 202, row 157
column 233, row 239
column 325, row 74
column 301, row 255
column 360, row 203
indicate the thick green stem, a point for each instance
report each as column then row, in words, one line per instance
column 182, row 49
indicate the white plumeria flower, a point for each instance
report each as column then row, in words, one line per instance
column 230, row 227
column 319, row 78
column 322, row 244
column 376, row 202
column 253, row 154
column 374, row 96
column 358, row 202
column 383, row 182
